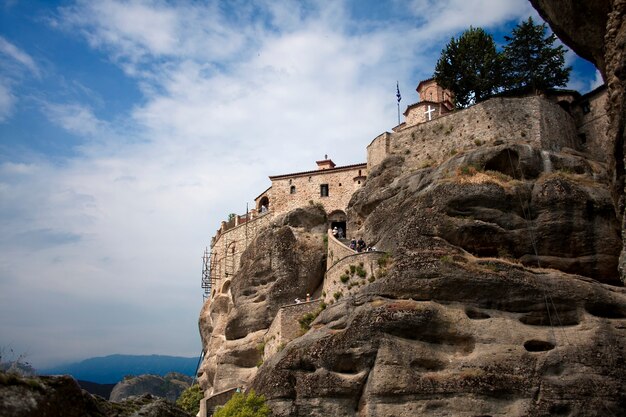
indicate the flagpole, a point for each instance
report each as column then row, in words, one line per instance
column 399, row 98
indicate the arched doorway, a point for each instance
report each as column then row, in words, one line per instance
column 264, row 204
column 337, row 219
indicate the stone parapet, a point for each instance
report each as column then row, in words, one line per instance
column 350, row 273
column 532, row 120
column 336, row 250
column 286, row 326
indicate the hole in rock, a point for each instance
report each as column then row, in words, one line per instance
column 260, row 299
column 303, row 365
column 538, row 345
column 507, row 162
column 605, row 310
column 476, row 314
column 560, row 410
column 428, row 364
column 345, row 365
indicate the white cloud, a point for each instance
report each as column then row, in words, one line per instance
column 228, row 98
column 7, row 102
column 75, row 118
column 12, row 51
column 449, row 16
column 597, row 81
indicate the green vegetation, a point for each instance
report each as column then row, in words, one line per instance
column 532, row 61
column 241, row 405
column 360, row 271
column 470, row 67
column 306, row 320
column 338, row 295
column 344, row 278
column 474, row 70
column 446, row 259
column 261, row 347
column 189, row 399
column 352, row 269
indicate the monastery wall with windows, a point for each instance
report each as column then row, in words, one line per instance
column 520, row 120
column 330, row 187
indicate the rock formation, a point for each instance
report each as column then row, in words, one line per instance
column 502, row 295
column 60, row 396
column 493, row 305
column 597, row 31
column 285, row 262
column 169, row 386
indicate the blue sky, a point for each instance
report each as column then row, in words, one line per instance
column 130, row 129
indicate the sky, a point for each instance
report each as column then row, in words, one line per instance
column 130, row 129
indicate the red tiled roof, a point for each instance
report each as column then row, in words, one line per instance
column 318, row 171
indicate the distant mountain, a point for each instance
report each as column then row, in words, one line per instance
column 113, row 368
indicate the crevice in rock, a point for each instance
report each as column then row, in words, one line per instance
column 475, row 314
column 554, row 319
column 428, row 364
column 605, row 310
column 506, row 162
column 538, row 345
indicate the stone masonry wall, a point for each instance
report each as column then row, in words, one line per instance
column 336, row 251
column 341, row 185
column 286, row 326
column 349, row 266
column 528, row 119
column 594, row 125
column 228, row 246
column 377, row 150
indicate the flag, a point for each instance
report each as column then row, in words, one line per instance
column 398, row 92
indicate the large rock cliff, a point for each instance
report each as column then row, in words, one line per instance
column 597, row 31
column 502, row 294
column 501, row 299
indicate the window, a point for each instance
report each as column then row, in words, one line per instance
column 586, row 107
column 292, row 189
column 324, row 190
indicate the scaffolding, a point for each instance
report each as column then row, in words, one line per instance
column 208, row 281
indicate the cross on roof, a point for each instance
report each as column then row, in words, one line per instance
column 429, row 112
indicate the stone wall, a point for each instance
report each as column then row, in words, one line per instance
column 349, row 266
column 336, row 251
column 528, row 119
column 341, row 181
column 227, row 247
column 594, row 125
column 378, row 150
column 286, row 326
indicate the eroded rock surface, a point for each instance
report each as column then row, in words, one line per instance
column 60, row 396
column 286, row 261
column 597, row 31
column 496, row 302
column 169, row 386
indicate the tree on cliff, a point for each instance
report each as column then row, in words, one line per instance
column 531, row 60
column 241, row 405
column 470, row 67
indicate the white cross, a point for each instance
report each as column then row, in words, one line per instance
column 428, row 112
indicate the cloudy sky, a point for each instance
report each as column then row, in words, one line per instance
column 130, row 129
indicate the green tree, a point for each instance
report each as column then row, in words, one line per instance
column 532, row 61
column 470, row 67
column 241, row 405
column 189, row 399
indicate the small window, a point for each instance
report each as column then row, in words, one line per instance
column 586, row 107
column 340, row 184
column 289, row 182
column 324, row 190
column 292, row 189
column 359, row 172
column 309, row 179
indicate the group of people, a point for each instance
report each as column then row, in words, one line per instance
column 308, row 298
column 338, row 232
column 359, row 245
